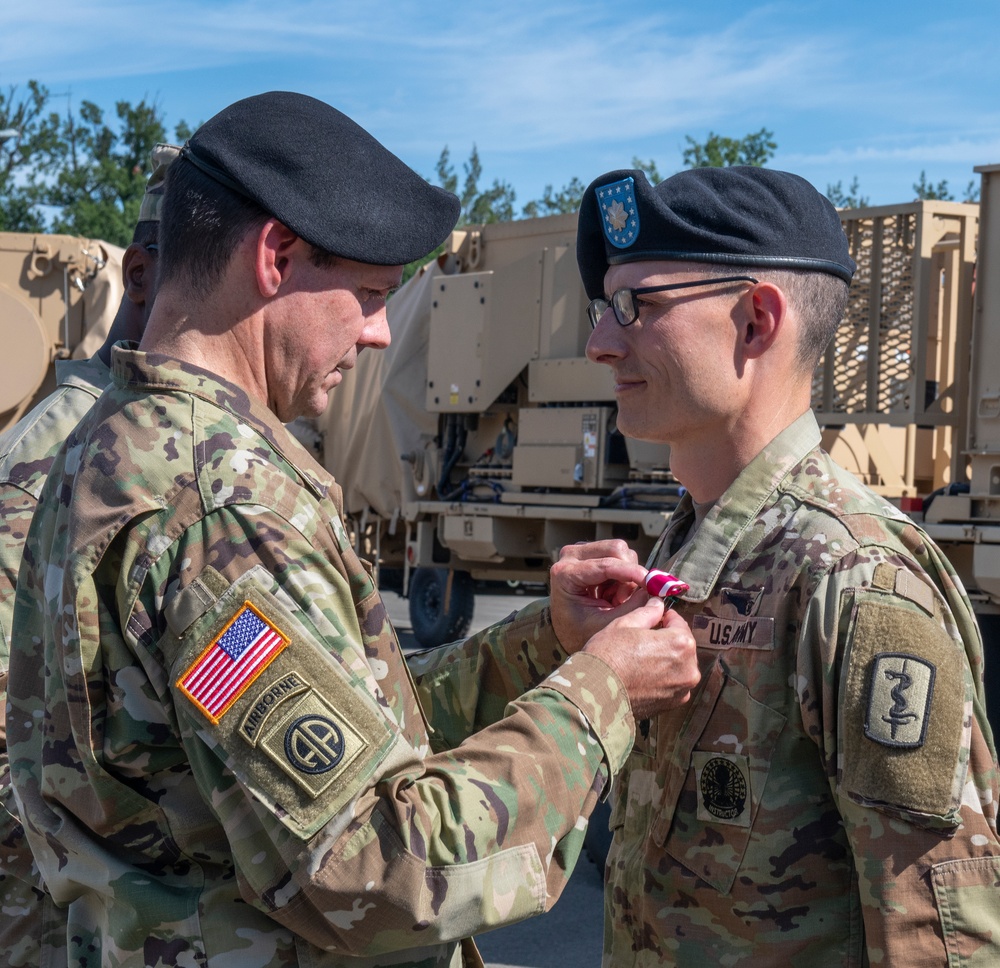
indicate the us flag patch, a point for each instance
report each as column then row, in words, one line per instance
column 241, row 652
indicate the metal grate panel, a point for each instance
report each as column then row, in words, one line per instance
column 879, row 312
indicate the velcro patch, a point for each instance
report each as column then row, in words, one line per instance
column 244, row 648
column 712, row 632
column 313, row 743
column 902, row 713
column 303, row 734
column 899, row 700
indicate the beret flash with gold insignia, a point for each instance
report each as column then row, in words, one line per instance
column 740, row 215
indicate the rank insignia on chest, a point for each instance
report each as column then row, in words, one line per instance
column 899, row 700
column 244, row 648
column 619, row 214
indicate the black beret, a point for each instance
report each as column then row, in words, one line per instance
column 739, row 215
column 325, row 177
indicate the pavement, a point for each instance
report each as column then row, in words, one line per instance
column 571, row 933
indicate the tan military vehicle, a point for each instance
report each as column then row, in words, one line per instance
column 58, row 297
column 483, row 440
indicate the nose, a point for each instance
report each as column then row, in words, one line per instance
column 376, row 332
column 605, row 343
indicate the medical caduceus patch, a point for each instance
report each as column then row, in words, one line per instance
column 899, row 700
column 244, row 648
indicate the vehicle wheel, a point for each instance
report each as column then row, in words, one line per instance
column 437, row 614
column 989, row 625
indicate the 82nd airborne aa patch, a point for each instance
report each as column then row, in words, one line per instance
column 619, row 214
column 899, row 700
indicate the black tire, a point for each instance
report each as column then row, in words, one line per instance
column 432, row 624
column 989, row 625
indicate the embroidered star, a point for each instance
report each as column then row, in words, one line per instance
column 616, row 216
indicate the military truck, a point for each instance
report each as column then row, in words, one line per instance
column 58, row 297
column 483, row 440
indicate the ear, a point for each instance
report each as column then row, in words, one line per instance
column 766, row 311
column 273, row 256
column 138, row 270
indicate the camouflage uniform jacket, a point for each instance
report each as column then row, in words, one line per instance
column 225, row 759
column 28, row 920
column 829, row 795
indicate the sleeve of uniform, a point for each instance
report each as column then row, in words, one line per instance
column 467, row 685
column 342, row 826
column 16, row 509
column 910, row 763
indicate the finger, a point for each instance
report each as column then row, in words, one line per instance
column 673, row 620
column 590, row 572
column 605, row 548
column 645, row 616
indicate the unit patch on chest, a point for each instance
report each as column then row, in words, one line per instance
column 712, row 632
column 723, row 781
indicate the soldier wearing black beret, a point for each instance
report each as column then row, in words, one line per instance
column 829, row 797
column 236, row 766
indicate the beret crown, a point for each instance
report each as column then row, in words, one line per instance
column 325, row 177
column 739, row 215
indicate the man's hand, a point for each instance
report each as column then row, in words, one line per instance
column 654, row 654
column 591, row 584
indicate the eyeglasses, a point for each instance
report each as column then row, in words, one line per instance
column 626, row 308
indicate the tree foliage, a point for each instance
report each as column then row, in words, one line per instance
column 566, row 200
column 79, row 172
column 926, row 191
column 95, row 174
column 852, row 198
column 28, row 132
column 653, row 175
column 83, row 172
column 494, row 204
column 755, row 149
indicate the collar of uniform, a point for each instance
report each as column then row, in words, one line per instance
column 133, row 369
column 701, row 560
column 92, row 374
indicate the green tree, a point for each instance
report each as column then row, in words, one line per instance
column 567, row 199
column 27, row 132
column 653, row 175
column 494, row 204
column 719, row 152
column 927, row 191
column 95, row 174
column 852, row 198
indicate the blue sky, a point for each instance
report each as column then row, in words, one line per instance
column 553, row 90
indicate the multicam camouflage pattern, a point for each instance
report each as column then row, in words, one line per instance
column 306, row 820
column 786, row 816
column 29, row 922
